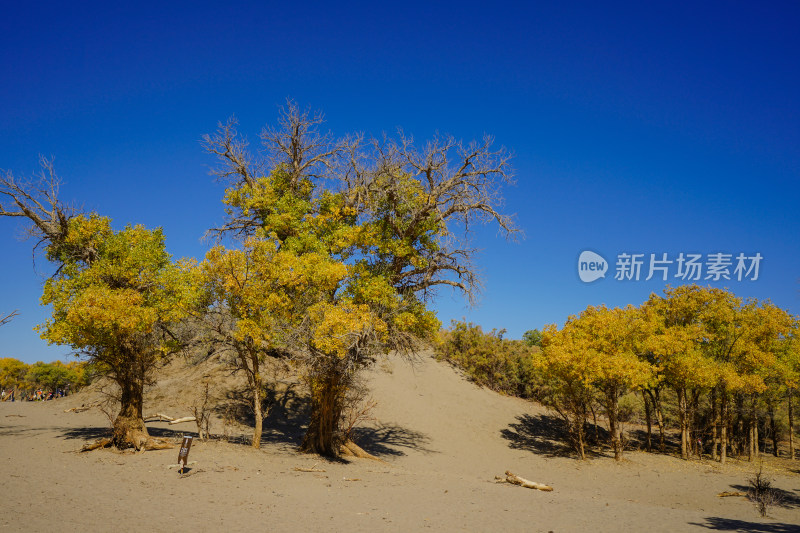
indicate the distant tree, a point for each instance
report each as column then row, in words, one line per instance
column 12, row 373
column 532, row 337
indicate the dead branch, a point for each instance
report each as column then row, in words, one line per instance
column 184, row 419
column 6, row 319
column 312, row 469
column 528, row 484
column 80, row 409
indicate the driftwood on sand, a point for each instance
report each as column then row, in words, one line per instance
column 158, row 417
column 522, row 482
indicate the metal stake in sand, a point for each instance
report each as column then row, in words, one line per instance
column 183, row 454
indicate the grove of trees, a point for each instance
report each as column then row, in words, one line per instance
column 725, row 370
column 329, row 255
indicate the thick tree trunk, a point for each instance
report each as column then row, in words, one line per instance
column 327, row 402
column 129, row 430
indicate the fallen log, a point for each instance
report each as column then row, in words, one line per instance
column 158, row 417
column 527, row 483
column 184, row 419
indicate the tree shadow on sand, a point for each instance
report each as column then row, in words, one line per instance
column 545, row 435
column 727, row 524
column 785, row 498
column 389, row 439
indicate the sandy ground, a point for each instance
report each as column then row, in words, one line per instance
column 442, row 439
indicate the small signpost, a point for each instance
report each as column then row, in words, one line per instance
column 183, row 454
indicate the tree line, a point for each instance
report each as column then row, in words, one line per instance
column 726, row 369
column 22, row 379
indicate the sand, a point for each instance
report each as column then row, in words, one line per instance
column 442, row 441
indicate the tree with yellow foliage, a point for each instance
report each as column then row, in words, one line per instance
column 114, row 294
column 117, row 309
column 382, row 213
column 597, row 351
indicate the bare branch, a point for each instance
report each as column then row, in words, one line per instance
column 6, row 319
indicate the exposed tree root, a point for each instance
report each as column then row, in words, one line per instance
column 351, row 449
column 101, row 443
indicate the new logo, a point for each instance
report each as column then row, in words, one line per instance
column 591, row 266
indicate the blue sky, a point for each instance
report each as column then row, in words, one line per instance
column 636, row 128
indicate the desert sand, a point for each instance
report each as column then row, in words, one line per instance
column 442, row 440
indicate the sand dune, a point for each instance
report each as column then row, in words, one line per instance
column 442, row 438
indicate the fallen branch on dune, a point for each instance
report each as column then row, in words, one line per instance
column 312, row 469
column 158, row 417
column 80, row 409
column 522, row 482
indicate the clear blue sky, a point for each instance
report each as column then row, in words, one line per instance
column 637, row 128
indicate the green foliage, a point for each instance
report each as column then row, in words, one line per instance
column 532, row 337
column 503, row 365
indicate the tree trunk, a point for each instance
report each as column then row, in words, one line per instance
column 327, row 402
column 791, row 424
column 715, row 424
column 655, row 398
column 649, row 419
column 723, row 415
column 577, row 432
column 773, row 428
column 682, row 408
column 129, row 430
column 613, row 424
column 752, row 448
column 259, row 417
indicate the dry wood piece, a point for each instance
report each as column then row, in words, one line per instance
column 159, row 417
column 184, row 419
column 727, row 494
column 528, row 484
column 312, row 469
column 80, row 409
